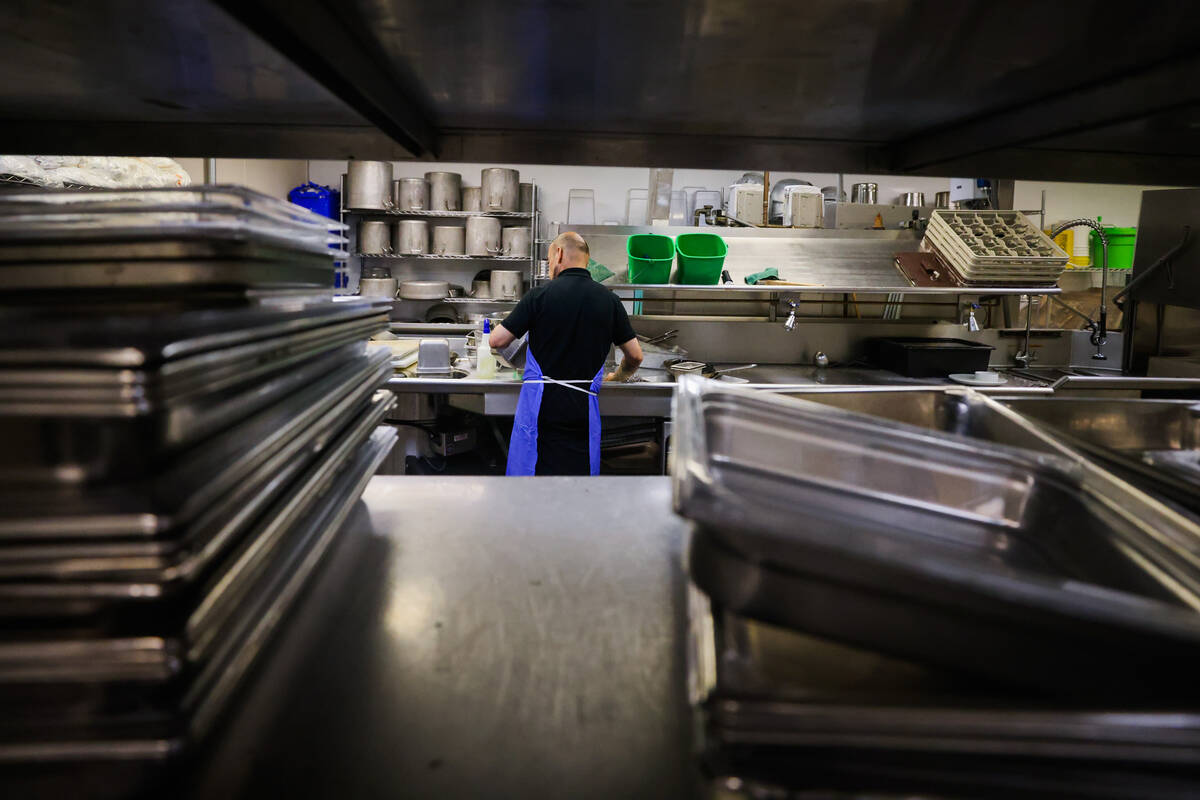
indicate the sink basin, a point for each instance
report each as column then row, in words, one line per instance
column 1154, row 443
column 951, row 411
column 940, row 526
column 1123, row 425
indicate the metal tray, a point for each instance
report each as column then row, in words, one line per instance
column 99, row 392
column 96, row 338
column 165, row 274
column 190, row 484
column 64, row 451
column 779, row 687
column 163, row 725
column 119, row 216
column 186, row 626
column 1032, row 567
column 1153, row 443
column 61, row 577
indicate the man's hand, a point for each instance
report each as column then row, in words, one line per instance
column 629, row 365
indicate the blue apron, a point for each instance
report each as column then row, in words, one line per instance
column 522, row 449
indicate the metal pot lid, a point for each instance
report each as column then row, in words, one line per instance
column 424, row 290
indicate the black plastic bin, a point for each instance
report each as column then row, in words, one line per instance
column 923, row 357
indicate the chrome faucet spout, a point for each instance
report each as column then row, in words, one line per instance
column 1099, row 335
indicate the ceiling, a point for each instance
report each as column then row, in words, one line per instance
column 1067, row 90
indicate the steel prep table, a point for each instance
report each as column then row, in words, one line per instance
column 476, row 637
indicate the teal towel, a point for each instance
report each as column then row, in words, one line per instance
column 598, row 271
column 769, row 272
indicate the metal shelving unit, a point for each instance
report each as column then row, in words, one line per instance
column 740, row 292
column 396, row 212
column 535, row 243
column 476, row 301
column 440, row 257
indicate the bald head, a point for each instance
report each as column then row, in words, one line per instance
column 566, row 251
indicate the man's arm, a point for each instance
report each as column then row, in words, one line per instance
column 515, row 325
column 500, row 338
column 633, row 359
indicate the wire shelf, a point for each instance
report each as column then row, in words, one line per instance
column 395, row 212
column 9, row 179
column 442, row 257
column 727, row 292
column 468, row 301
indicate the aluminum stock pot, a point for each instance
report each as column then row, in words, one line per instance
column 412, row 237
column 515, row 241
column 411, row 194
column 470, row 198
column 500, row 189
column 445, row 191
column 375, row 237
column 369, row 185
column 449, row 240
column 483, row 236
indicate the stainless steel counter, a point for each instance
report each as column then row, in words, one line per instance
column 653, row 398
column 477, row 637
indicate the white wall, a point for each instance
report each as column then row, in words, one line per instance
column 272, row 176
column 1116, row 204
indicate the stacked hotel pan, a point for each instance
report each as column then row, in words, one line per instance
column 928, row 593
column 188, row 417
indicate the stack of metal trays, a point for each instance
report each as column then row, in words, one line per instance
column 986, row 248
column 1153, row 443
column 175, row 467
column 791, row 711
column 943, row 528
column 189, row 237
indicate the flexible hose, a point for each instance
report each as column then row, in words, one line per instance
column 1100, row 336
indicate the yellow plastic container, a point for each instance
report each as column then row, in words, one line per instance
column 1066, row 240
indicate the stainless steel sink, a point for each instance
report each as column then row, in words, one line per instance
column 955, row 411
column 1154, row 443
column 1124, row 425
column 943, row 527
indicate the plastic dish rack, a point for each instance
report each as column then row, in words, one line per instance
column 994, row 247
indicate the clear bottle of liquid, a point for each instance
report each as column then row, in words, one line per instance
column 485, row 360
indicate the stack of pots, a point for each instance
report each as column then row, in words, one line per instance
column 369, row 186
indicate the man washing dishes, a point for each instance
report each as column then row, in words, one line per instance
column 571, row 321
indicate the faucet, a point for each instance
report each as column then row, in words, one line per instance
column 709, row 214
column 789, row 324
column 1026, row 354
column 1099, row 329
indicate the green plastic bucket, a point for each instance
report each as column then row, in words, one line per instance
column 1121, row 243
column 650, row 256
column 701, row 256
